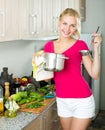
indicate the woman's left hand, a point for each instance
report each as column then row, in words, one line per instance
column 97, row 39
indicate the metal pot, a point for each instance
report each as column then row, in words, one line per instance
column 54, row 61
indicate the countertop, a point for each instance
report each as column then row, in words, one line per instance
column 20, row 121
column 17, row 123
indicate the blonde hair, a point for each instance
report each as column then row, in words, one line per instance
column 72, row 12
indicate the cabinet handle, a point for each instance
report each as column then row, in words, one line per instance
column 55, row 24
column 55, row 121
column 2, row 33
column 44, row 122
column 33, row 24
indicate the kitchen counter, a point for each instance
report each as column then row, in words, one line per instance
column 21, row 120
column 17, row 123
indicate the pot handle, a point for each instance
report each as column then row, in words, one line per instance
column 63, row 57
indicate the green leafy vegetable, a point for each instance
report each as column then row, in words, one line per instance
column 18, row 96
column 35, row 105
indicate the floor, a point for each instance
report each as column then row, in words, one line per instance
column 99, row 122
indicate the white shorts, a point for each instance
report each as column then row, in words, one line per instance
column 76, row 107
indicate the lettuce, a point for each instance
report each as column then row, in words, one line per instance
column 18, row 96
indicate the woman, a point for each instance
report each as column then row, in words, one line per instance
column 75, row 102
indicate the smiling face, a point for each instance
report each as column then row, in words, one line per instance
column 69, row 23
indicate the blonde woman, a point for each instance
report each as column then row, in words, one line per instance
column 75, row 101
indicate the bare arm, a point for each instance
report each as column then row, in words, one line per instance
column 92, row 65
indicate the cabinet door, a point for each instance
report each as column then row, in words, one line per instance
column 35, row 125
column 8, row 20
column 2, row 18
column 67, row 4
column 53, row 11
column 47, row 17
column 31, row 18
column 12, row 12
column 56, row 10
column 24, row 18
column 50, row 119
column 40, row 19
column 35, row 17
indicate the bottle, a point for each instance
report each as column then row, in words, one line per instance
column 7, row 92
column 1, row 102
column 11, row 108
column 17, row 85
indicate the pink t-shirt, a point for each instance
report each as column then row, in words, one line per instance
column 69, row 82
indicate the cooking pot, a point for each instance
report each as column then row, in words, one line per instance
column 54, row 61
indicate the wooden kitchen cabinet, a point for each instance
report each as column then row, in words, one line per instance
column 9, row 25
column 40, row 18
column 50, row 119
column 51, row 13
column 79, row 5
column 47, row 120
column 26, row 19
column 37, row 19
column 31, row 18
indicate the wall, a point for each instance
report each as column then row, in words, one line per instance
column 17, row 56
column 95, row 17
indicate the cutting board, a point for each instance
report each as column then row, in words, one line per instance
column 47, row 102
